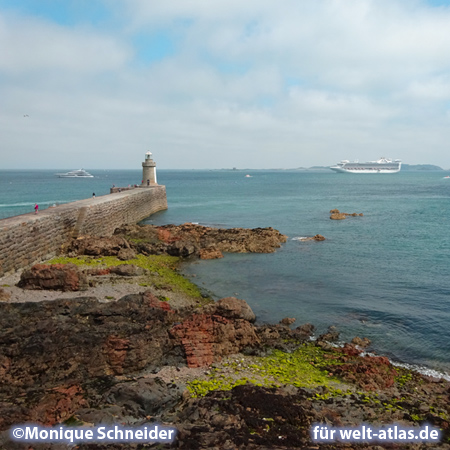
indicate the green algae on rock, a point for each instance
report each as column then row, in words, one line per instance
column 161, row 269
column 301, row 368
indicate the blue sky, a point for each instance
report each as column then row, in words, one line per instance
column 257, row 84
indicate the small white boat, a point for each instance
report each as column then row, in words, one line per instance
column 80, row 173
column 248, row 176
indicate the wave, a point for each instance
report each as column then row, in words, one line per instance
column 299, row 238
column 48, row 202
column 423, row 370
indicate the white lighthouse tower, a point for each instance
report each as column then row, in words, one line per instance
column 149, row 171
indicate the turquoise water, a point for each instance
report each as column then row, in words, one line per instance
column 383, row 275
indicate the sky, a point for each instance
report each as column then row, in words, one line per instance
column 219, row 84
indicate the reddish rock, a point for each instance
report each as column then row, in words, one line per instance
column 206, row 338
column 64, row 277
column 116, row 350
column 96, row 272
column 58, row 405
column 166, row 236
column 154, row 302
column 369, row 372
column 210, row 253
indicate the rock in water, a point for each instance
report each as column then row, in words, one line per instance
column 234, row 308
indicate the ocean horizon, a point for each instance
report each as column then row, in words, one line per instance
column 383, row 275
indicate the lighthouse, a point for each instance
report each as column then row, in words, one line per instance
column 149, row 171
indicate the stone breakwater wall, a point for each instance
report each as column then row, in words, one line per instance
column 30, row 238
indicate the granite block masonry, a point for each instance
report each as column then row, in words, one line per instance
column 31, row 238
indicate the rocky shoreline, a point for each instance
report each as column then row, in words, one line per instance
column 123, row 338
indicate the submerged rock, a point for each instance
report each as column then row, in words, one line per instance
column 361, row 342
column 210, row 253
column 337, row 215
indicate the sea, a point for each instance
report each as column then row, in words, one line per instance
column 384, row 276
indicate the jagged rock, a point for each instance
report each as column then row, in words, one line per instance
column 206, row 338
column 58, row 405
column 4, row 296
column 144, row 397
column 234, row 308
column 126, row 270
column 154, row 302
column 187, row 239
column 332, row 335
column 98, row 246
column 210, row 253
column 182, row 248
column 369, row 372
column 305, row 330
column 64, row 277
column 337, row 215
column 364, row 342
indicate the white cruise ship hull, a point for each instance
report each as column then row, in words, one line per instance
column 381, row 166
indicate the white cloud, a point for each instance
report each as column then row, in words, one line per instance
column 309, row 82
column 29, row 45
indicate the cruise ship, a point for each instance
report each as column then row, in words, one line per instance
column 383, row 165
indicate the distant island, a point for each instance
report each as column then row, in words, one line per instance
column 405, row 167
column 420, row 167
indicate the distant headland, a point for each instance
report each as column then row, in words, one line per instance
column 405, row 168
